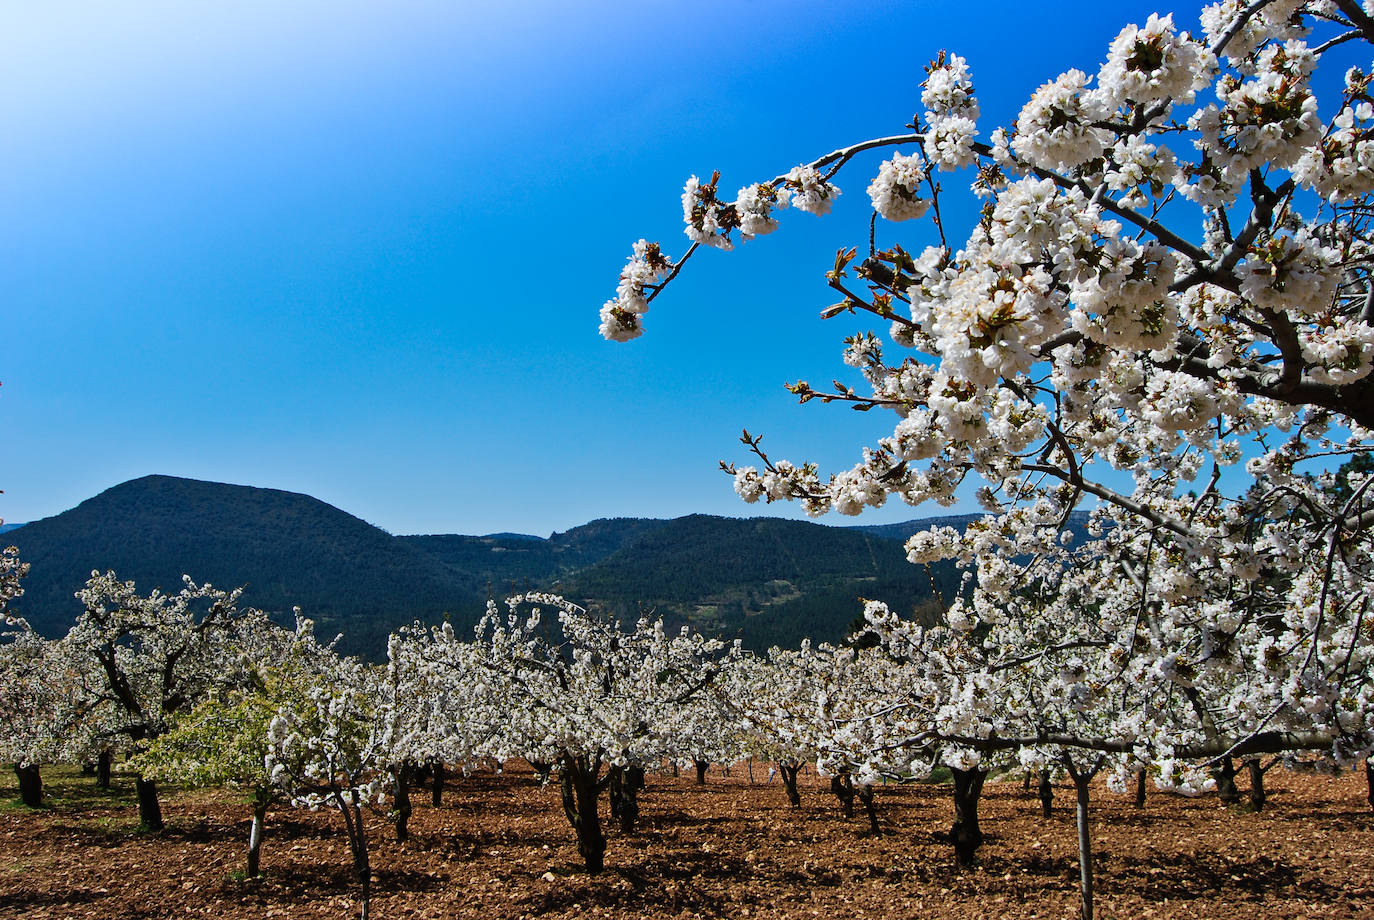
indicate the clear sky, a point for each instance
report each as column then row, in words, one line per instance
column 357, row 249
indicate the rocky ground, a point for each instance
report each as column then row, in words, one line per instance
column 500, row 847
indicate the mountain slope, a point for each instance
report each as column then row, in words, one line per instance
column 766, row 580
column 289, row 549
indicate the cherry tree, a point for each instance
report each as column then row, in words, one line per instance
column 1164, row 311
column 582, row 696
column 439, row 706
column 1174, row 338
column 776, row 701
column 327, row 748
column 224, row 739
column 149, row 658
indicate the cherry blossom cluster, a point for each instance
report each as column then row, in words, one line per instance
column 1163, row 315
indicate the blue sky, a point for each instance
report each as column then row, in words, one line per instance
column 357, row 249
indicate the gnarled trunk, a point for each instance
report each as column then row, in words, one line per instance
column 789, row 782
column 404, row 774
column 103, row 764
column 965, row 834
column 1257, row 794
column 701, row 766
column 436, row 787
column 1046, row 794
column 865, row 794
column 30, row 785
column 580, row 790
column 623, row 785
column 842, row 785
column 1140, row 788
column 1225, row 775
column 149, row 809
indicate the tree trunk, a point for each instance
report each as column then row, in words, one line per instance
column 1257, row 794
column 357, row 842
column 789, row 782
column 1369, row 782
column 1225, row 775
column 30, row 785
column 103, row 764
column 1046, row 794
column 622, row 786
column 1140, row 788
column 1085, row 853
column 436, row 787
column 866, row 796
column 965, row 834
column 1025, row 782
column 261, row 798
column 701, row 766
column 149, row 810
column 580, row 794
column 404, row 773
column 843, row 787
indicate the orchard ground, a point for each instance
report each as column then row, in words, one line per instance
column 499, row 847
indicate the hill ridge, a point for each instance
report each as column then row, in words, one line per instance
column 767, row 580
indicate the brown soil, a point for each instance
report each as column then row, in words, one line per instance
column 501, row 848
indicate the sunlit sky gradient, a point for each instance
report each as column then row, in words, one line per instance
column 357, row 249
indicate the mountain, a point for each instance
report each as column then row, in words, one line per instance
column 6, row 528
column 288, row 549
column 765, row 580
column 515, row 562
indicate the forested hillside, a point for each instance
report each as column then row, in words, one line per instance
column 288, row 549
column 766, row 580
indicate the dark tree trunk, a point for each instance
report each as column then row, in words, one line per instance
column 965, row 834
column 1225, row 775
column 701, row 766
column 1085, row 853
column 615, row 789
column 261, row 798
column 865, row 794
column 357, row 842
column 404, row 774
column 623, row 785
column 580, row 793
column 1046, row 793
column 629, row 806
column 103, row 764
column 843, row 787
column 30, row 785
column 436, row 785
column 1257, row 793
column 1025, row 782
column 1369, row 782
column 149, row 810
column 789, row 782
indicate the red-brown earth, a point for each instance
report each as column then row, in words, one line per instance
column 500, row 847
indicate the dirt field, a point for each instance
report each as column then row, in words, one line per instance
column 501, row 848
